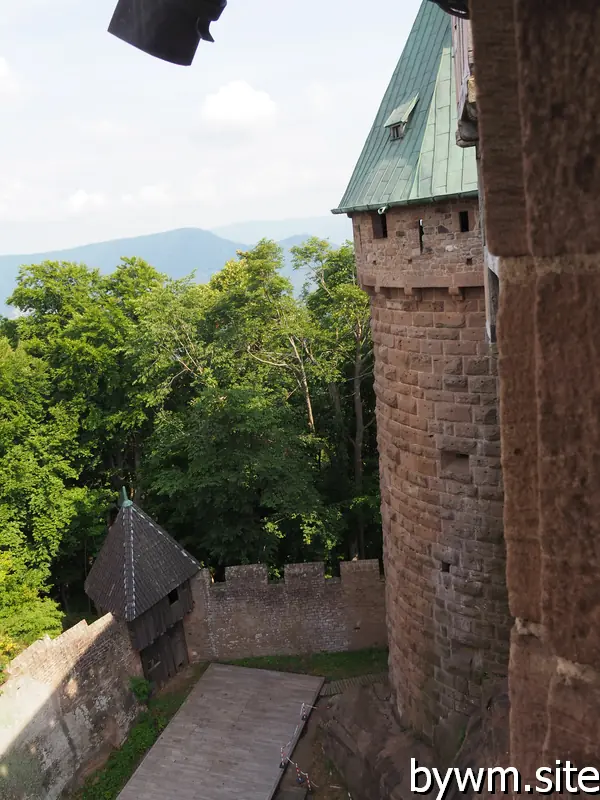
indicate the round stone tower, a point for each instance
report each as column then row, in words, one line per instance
column 441, row 484
column 413, row 199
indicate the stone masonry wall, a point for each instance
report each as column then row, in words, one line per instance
column 305, row 613
column 441, row 483
column 541, row 178
column 66, row 704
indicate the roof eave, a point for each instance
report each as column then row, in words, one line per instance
column 419, row 201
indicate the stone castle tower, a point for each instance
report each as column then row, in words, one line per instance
column 414, row 206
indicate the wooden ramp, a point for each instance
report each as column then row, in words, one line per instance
column 224, row 742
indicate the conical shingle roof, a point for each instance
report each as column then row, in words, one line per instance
column 423, row 163
column 138, row 565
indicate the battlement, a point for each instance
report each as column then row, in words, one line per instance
column 50, row 659
column 249, row 615
column 256, row 575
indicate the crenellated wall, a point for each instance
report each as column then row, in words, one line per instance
column 439, row 447
column 66, row 705
column 247, row 615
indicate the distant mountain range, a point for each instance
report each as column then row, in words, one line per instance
column 336, row 228
column 178, row 253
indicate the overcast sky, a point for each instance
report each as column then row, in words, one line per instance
column 99, row 140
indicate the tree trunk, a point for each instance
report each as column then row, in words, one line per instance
column 64, row 596
column 341, row 445
column 303, row 382
column 336, row 401
column 137, row 459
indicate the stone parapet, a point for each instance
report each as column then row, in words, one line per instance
column 248, row 615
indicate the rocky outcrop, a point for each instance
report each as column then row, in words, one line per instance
column 372, row 750
column 369, row 748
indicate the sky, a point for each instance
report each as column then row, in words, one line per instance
column 99, row 140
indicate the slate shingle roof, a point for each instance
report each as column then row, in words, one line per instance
column 425, row 164
column 138, row 565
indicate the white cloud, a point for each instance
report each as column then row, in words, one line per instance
column 102, row 128
column 318, row 97
column 238, row 105
column 148, row 196
column 9, row 84
column 85, row 201
column 16, row 199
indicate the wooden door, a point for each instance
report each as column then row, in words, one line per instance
column 154, row 665
column 179, row 646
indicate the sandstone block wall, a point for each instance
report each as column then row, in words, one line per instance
column 444, row 257
column 541, row 172
column 439, row 447
column 247, row 615
column 66, row 704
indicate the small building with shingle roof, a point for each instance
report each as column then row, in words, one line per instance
column 142, row 576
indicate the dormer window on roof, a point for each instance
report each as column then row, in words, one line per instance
column 400, row 116
column 411, row 153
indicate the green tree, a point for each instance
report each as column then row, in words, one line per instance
column 241, row 415
column 340, row 312
column 36, row 499
column 81, row 326
column 234, row 476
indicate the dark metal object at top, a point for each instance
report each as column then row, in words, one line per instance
column 167, row 29
column 458, row 8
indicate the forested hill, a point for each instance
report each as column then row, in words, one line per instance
column 176, row 253
column 239, row 414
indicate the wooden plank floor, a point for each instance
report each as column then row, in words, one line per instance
column 224, row 742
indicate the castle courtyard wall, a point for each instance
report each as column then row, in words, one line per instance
column 66, row 704
column 248, row 615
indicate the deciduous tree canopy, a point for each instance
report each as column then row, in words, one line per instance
column 240, row 416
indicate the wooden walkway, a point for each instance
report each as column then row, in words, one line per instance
column 224, row 742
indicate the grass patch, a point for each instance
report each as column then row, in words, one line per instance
column 106, row 783
column 331, row 666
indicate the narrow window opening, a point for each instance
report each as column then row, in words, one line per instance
column 380, row 230
column 397, row 131
column 218, row 574
column 469, row 262
column 463, row 221
column 458, row 463
column 173, row 596
column 421, row 235
column 445, row 566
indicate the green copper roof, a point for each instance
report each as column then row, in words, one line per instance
column 424, row 163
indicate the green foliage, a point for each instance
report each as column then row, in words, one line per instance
column 241, row 416
column 237, row 471
column 25, row 614
column 141, row 688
